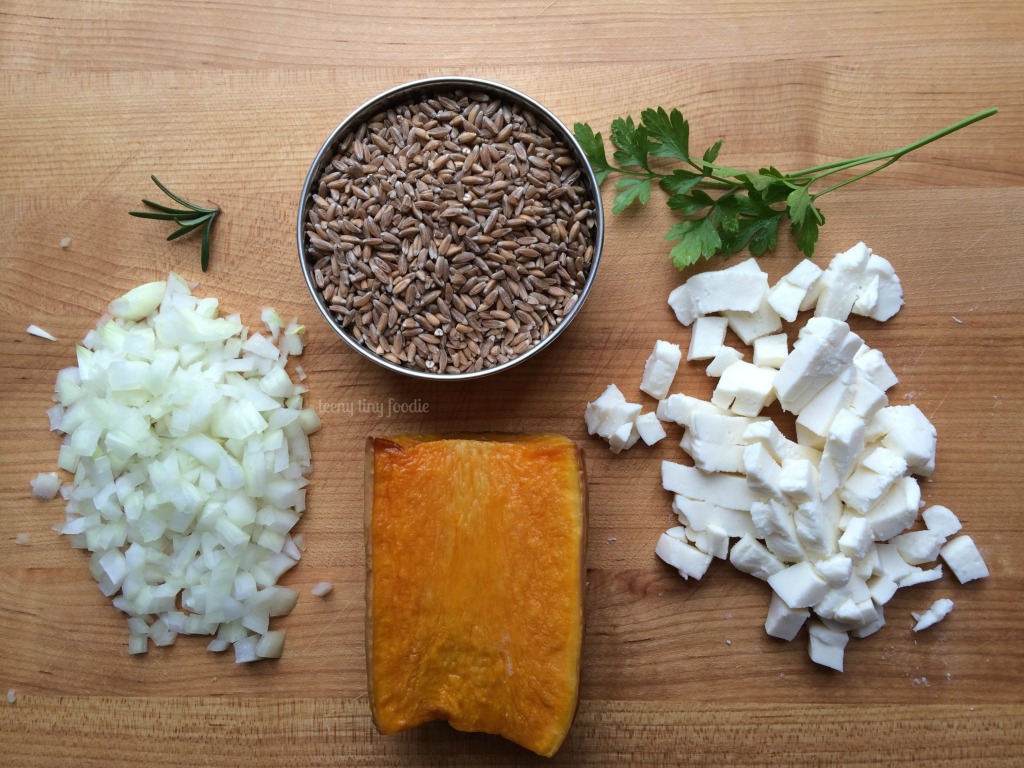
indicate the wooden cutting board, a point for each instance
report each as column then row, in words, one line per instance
column 230, row 103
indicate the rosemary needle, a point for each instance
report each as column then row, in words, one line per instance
column 189, row 219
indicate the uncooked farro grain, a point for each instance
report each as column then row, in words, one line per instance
column 451, row 234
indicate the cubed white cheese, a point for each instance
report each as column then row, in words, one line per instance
column 891, row 562
column 856, row 539
column 764, row 431
column 682, row 303
column 771, row 351
column 835, row 570
column 871, row 627
column 680, row 408
column 623, row 438
column 753, row 325
column 878, row 470
column 597, row 411
column 799, row 585
column 786, row 547
column 962, row 556
column 687, row 559
column 867, row 399
column 881, row 295
column 782, row 621
column 707, row 337
column 896, row 510
column 936, row 612
column 921, row 576
column 798, row 290
column 740, row 288
column 745, row 389
column 826, row 646
column 726, row 356
column 617, row 415
column 882, row 588
column 649, row 428
column 799, row 480
column 839, row 285
column 820, row 410
column 710, row 456
column 762, row 471
column 872, row 363
column 750, row 556
column 817, row 525
column 907, row 431
column 941, row 520
column 700, row 515
column 716, row 542
column 823, row 350
column 660, row 369
column 724, row 490
column 918, row 547
column 843, row 445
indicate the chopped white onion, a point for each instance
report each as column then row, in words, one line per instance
column 321, row 589
column 188, row 442
column 22, row 539
column 45, row 485
column 35, row 330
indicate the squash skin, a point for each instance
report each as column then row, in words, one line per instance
column 475, row 584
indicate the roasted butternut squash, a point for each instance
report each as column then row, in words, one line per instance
column 475, row 552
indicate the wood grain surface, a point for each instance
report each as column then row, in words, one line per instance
column 228, row 102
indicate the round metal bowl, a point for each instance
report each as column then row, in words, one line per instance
column 404, row 94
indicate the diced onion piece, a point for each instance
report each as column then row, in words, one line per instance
column 35, row 330
column 322, row 589
column 45, row 485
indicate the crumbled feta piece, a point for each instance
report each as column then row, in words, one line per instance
column 624, row 437
column 681, row 408
column 682, row 303
column 817, row 525
column 796, row 291
column 896, row 510
column 921, row 576
column 597, row 411
column 740, row 288
column 617, row 416
column 962, row 556
column 726, row 356
column 762, row 470
column 751, row 556
column 798, row 480
column 707, row 337
column 771, row 351
column 856, row 539
column 687, row 559
column 750, row 326
column 745, row 389
column 649, row 428
column 724, row 490
column 881, row 294
column 882, row 588
column 918, row 547
column 891, row 562
column 870, row 628
column 840, row 283
column 782, row 621
column 799, row 585
column 843, row 445
column 878, row 470
column 661, row 369
column 716, row 442
column 941, row 520
column 772, row 517
column 872, row 363
column 826, row 646
column 715, row 542
column 938, row 610
column 835, row 570
column 907, row 431
column 700, row 515
column 782, row 448
column 824, row 349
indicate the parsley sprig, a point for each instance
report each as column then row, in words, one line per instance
column 723, row 209
column 191, row 218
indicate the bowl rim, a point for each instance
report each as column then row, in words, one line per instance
column 396, row 95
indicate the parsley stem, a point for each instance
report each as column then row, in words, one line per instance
column 841, row 165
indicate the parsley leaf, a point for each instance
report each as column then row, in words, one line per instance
column 723, row 210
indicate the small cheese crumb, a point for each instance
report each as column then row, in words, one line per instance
column 649, row 428
column 941, row 520
column 936, row 612
column 661, row 369
column 706, row 337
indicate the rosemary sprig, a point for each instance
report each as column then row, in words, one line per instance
column 188, row 220
column 723, row 209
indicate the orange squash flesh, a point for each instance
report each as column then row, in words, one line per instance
column 475, row 549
